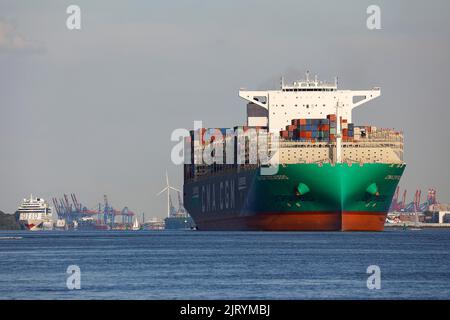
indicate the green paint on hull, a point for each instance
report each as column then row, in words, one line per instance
column 240, row 200
column 340, row 187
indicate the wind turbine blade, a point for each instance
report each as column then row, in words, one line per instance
column 165, row 189
column 167, row 179
column 175, row 189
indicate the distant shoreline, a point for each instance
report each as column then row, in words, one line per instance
column 9, row 221
column 418, row 225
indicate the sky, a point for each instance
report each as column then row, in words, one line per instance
column 91, row 111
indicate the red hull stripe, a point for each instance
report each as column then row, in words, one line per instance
column 296, row 221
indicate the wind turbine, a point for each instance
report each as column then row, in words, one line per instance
column 167, row 188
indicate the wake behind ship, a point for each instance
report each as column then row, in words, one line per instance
column 299, row 164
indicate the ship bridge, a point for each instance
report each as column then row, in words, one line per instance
column 308, row 99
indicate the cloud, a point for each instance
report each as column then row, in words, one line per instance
column 12, row 41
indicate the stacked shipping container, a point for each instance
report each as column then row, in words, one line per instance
column 320, row 130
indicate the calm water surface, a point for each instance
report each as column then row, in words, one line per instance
column 225, row 265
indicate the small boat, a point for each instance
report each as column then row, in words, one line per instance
column 416, row 226
column 136, row 226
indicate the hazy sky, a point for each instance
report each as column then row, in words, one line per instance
column 91, row 111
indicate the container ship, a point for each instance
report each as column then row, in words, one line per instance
column 35, row 214
column 298, row 164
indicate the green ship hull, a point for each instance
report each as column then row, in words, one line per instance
column 300, row 197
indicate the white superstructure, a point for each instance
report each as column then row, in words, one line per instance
column 35, row 214
column 307, row 99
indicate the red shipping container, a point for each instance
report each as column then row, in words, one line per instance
column 302, row 121
column 284, row 134
column 201, row 133
column 290, row 127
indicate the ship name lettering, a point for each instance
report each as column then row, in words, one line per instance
column 203, row 199
column 232, row 194
column 225, row 196
column 392, row 177
column 208, row 197
column 214, row 197
column 220, row 196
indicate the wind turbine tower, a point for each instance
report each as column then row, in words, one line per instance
column 167, row 189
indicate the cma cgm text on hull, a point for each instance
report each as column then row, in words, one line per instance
column 299, row 163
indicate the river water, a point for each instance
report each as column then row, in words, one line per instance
column 224, row 265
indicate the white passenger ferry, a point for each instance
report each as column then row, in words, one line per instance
column 35, row 214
